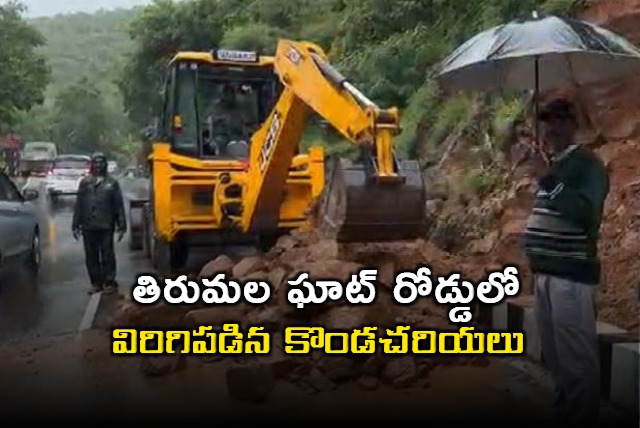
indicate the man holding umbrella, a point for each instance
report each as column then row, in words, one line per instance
column 561, row 243
column 541, row 54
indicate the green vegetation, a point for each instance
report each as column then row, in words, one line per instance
column 108, row 68
column 23, row 71
column 387, row 47
column 82, row 109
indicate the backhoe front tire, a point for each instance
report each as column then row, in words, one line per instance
column 161, row 256
column 266, row 241
column 147, row 244
column 179, row 253
column 169, row 256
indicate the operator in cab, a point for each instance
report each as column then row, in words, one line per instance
column 228, row 122
column 98, row 214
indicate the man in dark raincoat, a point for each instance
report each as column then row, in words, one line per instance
column 98, row 214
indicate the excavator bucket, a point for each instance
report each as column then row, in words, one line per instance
column 356, row 208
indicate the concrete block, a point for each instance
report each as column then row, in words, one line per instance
column 608, row 335
column 526, row 301
column 515, row 317
column 531, row 335
column 500, row 316
column 606, row 328
column 625, row 376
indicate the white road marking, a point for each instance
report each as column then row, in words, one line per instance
column 90, row 312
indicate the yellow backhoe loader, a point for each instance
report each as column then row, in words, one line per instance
column 226, row 166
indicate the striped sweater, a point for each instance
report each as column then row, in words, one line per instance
column 561, row 237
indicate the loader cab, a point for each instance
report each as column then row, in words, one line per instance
column 213, row 103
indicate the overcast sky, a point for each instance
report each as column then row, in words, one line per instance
column 37, row 8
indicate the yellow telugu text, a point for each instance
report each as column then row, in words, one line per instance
column 302, row 340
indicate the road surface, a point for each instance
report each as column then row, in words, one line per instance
column 57, row 303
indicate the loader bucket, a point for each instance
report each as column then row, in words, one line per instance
column 357, row 209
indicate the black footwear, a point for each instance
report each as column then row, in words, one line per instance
column 96, row 289
column 111, row 289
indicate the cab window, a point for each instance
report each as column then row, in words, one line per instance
column 184, row 120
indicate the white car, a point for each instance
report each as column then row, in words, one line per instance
column 112, row 167
column 67, row 172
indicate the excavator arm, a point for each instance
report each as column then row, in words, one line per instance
column 380, row 199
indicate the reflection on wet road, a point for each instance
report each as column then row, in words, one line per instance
column 56, row 303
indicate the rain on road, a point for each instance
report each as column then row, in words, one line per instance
column 55, row 303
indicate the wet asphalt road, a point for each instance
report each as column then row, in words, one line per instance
column 56, row 301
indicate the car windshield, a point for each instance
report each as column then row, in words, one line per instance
column 37, row 148
column 71, row 164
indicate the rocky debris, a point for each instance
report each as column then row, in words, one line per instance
column 387, row 273
column 337, row 368
column 327, row 269
column 286, row 243
column 156, row 366
column 380, row 313
column 400, row 372
column 434, row 206
column 251, row 382
column 486, row 244
column 159, row 315
column 270, row 318
column 257, row 276
column 342, row 317
column 216, row 316
column 247, row 266
column 368, row 383
column 320, row 382
column 305, row 252
column 277, row 277
column 285, row 366
column 373, row 365
column 221, row 264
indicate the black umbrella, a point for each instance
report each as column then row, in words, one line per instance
column 542, row 53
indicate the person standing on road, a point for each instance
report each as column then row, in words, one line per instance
column 561, row 243
column 98, row 213
column 12, row 145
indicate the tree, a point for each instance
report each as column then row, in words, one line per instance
column 161, row 30
column 24, row 73
column 81, row 120
column 167, row 26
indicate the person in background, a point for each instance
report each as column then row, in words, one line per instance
column 520, row 143
column 561, row 243
column 98, row 213
column 522, row 150
column 11, row 149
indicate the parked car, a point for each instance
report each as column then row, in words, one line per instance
column 19, row 227
column 66, row 174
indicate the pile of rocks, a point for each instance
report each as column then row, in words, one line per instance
column 253, row 378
